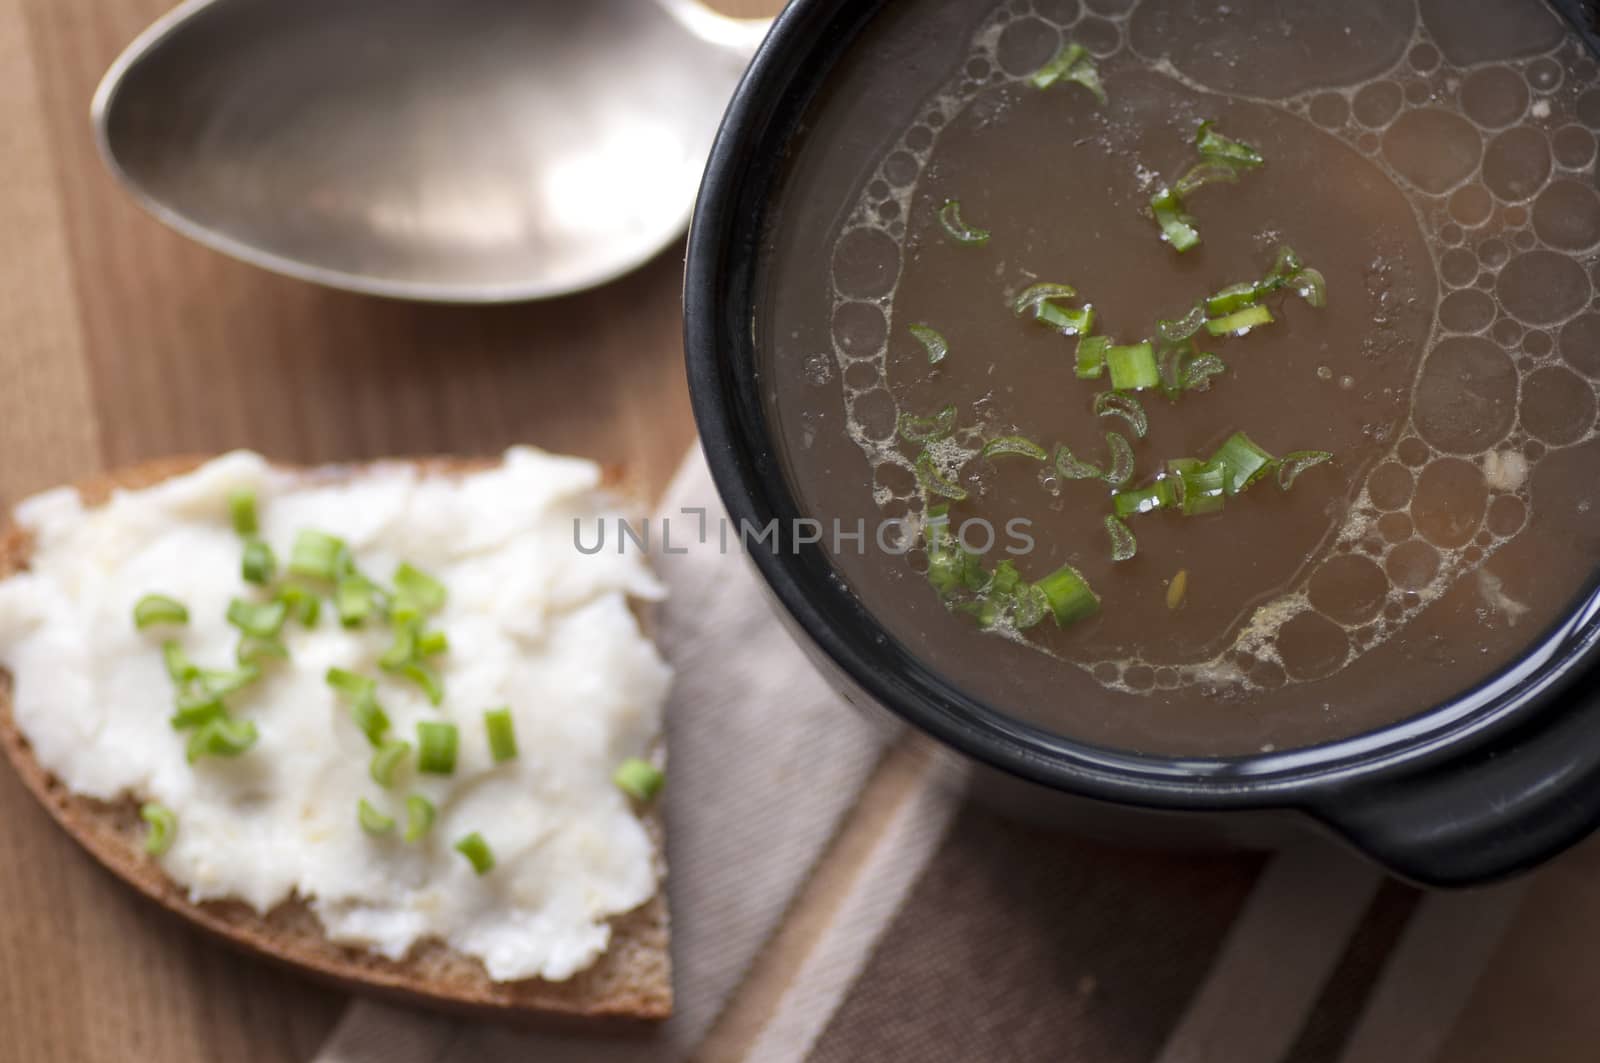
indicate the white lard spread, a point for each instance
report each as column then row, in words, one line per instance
column 533, row 624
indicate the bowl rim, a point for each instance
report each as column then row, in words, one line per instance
column 723, row 254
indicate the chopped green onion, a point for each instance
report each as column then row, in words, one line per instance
column 951, row 567
column 1181, row 329
column 432, row 643
column 1121, row 468
column 952, row 570
column 1240, row 322
column 927, row 429
column 386, row 760
column 639, row 779
column 1039, row 300
column 1032, row 298
column 1285, row 262
column 355, row 598
column 1177, row 228
column 1004, row 595
column 1123, row 544
column 1178, row 589
column 1158, row 495
column 1233, row 297
column 1242, row 462
column 960, row 231
column 259, row 564
column 1085, row 73
column 404, row 612
column 305, row 604
column 1028, row 607
column 1071, row 63
column 222, row 682
column 242, row 511
column 476, row 850
column 1091, row 356
column 1058, row 65
column 402, row 651
column 1070, row 596
column 1071, row 468
column 932, row 342
column 1198, row 370
column 1216, row 146
column 1133, row 367
column 436, row 747
column 1287, row 272
column 933, row 480
column 1310, row 285
column 1018, row 445
column 316, row 555
column 425, row 676
column 351, row 684
column 253, row 650
column 1291, row 465
column 413, row 583
column 163, row 827
column 502, row 734
column 262, row 619
column 1111, row 404
column 221, row 737
column 419, row 817
column 155, row 609
column 1071, row 321
column 1207, row 172
column 179, row 666
column 373, row 821
column 195, row 709
column 1006, row 578
column 1202, row 487
column 370, row 719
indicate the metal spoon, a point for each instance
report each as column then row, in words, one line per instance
column 469, row 151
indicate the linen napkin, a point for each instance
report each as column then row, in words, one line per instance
column 834, row 903
column 764, row 760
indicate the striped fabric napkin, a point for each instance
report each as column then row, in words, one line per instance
column 834, row 903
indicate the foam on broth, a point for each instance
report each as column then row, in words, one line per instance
column 1461, row 360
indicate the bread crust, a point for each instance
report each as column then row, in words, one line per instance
column 629, row 988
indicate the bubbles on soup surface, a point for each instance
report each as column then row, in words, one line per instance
column 1494, row 97
column 1434, row 149
column 1349, row 589
column 1472, row 31
column 1573, row 146
column 1312, row 646
column 1412, row 565
column 1466, row 396
column 1361, row 39
column 1542, row 287
column 1448, row 506
column 1466, row 311
column 1557, row 406
column 1376, row 105
column 1471, row 205
column 1517, row 164
column 1567, row 216
column 1475, row 149
column 1579, row 341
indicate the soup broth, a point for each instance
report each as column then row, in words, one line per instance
column 1424, row 505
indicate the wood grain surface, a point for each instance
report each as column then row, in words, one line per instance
column 119, row 342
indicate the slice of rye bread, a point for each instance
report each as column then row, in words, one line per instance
column 626, row 990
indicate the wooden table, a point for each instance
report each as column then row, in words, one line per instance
column 120, row 341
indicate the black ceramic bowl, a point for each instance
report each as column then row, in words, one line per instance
column 1480, row 787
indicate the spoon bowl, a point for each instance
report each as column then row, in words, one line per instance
column 468, row 151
